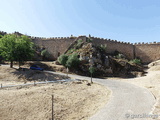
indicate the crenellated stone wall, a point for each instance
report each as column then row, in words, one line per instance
column 147, row 52
column 55, row 46
column 113, row 45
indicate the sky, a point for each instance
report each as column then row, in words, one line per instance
column 122, row 20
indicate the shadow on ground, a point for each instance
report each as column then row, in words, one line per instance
column 31, row 75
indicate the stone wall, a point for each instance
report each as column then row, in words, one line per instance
column 112, row 45
column 147, row 52
column 55, row 46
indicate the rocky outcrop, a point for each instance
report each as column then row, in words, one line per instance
column 104, row 64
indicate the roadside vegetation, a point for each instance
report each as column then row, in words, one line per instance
column 70, row 61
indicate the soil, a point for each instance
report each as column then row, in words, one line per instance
column 12, row 76
column 72, row 100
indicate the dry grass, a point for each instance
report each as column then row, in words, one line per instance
column 72, row 100
column 10, row 76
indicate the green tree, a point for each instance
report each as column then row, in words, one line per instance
column 24, row 49
column 16, row 48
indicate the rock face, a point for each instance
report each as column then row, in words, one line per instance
column 104, row 64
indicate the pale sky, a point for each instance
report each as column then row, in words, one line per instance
column 122, row 20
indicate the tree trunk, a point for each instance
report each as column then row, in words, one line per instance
column 91, row 79
column 11, row 64
column 19, row 64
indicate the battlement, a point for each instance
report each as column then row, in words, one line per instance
column 150, row 43
column 147, row 52
column 111, row 40
column 51, row 38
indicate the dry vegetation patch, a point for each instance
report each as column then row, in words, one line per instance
column 72, row 101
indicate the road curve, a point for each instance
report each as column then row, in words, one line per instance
column 127, row 101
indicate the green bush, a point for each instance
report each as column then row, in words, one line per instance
column 63, row 59
column 45, row 53
column 136, row 61
column 89, row 40
column 120, row 56
column 102, row 48
column 71, row 51
column 72, row 61
column 79, row 43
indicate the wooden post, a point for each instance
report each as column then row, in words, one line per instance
column 52, row 107
column 34, row 83
column 1, row 85
column 91, row 79
column 67, row 71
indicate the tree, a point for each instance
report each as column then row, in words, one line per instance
column 24, row 49
column 16, row 48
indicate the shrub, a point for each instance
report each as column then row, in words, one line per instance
column 79, row 43
column 136, row 61
column 71, row 51
column 120, row 56
column 89, row 40
column 63, row 59
column 45, row 53
column 72, row 61
column 102, row 48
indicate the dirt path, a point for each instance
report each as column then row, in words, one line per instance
column 126, row 102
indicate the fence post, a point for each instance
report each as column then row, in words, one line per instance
column 1, row 85
column 34, row 82
column 52, row 107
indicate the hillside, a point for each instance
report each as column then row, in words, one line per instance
column 104, row 64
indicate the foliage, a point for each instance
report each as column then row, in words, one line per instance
column 63, row 59
column 80, row 41
column 92, row 69
column 79, row 44
column 1, row 36
column 136, row 61
column 16, row 48
column 120, row 56
column 24, row 48
column 102, row 48
column 45, row 53
column 72, row 61
column 71, row 51
column 89, row 40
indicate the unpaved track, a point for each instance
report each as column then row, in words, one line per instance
column 126, row 102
